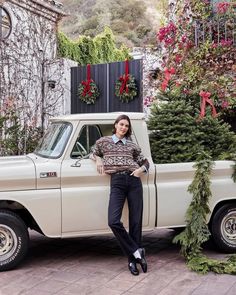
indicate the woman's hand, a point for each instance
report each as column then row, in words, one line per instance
column 99, row 165
column 137, row 172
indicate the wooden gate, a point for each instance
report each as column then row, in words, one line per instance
column 105, row 77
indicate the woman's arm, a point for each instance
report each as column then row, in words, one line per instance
column 99, row 164
column 97, row 158
column 142, row 162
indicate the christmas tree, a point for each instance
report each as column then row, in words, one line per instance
column 178, row 133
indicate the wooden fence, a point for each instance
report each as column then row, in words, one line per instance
column 105, row 77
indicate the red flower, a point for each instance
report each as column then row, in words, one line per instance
column 225, row 104
column 178, row 58
column 167, row 34
column 177, row 84
column 226, row 43
column 222, row 7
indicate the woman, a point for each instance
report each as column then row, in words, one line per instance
column 121, row 158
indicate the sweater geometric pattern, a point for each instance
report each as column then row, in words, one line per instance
column 119, row 156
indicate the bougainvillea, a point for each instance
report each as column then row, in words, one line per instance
column 198, row 47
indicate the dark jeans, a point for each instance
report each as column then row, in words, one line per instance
column 130, row 187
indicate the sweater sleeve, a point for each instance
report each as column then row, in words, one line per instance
column 97, row 149
column 141, row 159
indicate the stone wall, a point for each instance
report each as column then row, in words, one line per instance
column 151, row 63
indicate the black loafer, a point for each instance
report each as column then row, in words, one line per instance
column 133, row 268
column 142, row 261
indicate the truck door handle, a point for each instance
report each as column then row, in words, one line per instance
column 77, row 163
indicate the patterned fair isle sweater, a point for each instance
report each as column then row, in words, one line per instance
column 119, row 156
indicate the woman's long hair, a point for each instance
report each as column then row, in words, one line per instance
column 123, row 117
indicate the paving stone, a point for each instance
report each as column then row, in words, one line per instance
column 96, row 265
column 50, row 285
column 104, row 290
column 211, row 287
column 79, row 289
column 232, row 290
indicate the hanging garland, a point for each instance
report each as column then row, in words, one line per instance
column 88, row 90
column 125, row 87
column 196, row 231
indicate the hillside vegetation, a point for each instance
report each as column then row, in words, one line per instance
column 133, row 22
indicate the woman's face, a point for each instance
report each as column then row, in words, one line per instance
column 121, row 128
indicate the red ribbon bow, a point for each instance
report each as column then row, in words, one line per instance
column 205, row 99
column 124, row 79
column 87, row 82
column 168, row 73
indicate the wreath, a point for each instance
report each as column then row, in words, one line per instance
column 88, row 90
column 125, row 87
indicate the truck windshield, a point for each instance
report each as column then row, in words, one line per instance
column 54, row 140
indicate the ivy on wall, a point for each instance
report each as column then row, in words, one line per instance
column 87, row 50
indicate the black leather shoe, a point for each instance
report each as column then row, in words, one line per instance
column 133, row 268
column 142, row 261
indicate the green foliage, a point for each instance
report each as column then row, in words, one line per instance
column 177, row 132
column 203, row 264
column 87, row 50
column 173, row 137
column 196, row 231
column 15, row 138
column 208, row 66
column 216, row 138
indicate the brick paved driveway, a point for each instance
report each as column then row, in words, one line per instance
column 95, row 265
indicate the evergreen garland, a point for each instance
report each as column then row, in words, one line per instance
column 196, row 231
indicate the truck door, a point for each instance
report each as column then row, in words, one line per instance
column 85, row 193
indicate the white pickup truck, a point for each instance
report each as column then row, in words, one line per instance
column 57, row 191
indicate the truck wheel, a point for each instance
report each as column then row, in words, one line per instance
column 224, row 228
column 14, row 240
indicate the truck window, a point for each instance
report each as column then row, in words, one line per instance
column 85, row 141
column 54, row 140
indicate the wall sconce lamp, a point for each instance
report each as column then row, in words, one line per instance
column 153, row 73
column 51, row 84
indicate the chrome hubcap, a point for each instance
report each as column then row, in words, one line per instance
column 8, row 242
column 228, row 227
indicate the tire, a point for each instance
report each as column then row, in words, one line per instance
column 14, row 240
column 223, row 228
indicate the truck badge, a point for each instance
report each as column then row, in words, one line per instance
column 48, row 174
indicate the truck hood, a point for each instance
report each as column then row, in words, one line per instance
column 17, row 173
